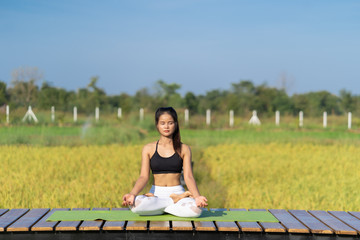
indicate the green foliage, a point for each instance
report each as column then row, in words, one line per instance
column 167, row 94
column 212, row 100
column 347, row 102
column 192, row 102
column 52, row 96
column 3, row 94
column 243, row 97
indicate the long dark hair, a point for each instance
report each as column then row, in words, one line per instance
column 176, row 135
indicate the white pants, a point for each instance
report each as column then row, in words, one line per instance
column 162, row 202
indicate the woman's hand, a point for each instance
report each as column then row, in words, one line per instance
column 128, row 199
column 201, row 201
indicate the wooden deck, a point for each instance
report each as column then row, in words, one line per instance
column 292, row 224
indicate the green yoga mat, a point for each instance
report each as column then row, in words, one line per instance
column 222, row 216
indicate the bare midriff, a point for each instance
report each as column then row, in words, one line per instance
column 167, row 179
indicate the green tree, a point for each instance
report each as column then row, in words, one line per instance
column 4, row 97
column 82, row 101
column 167, row 89
column 123, row 101
column 263, row 99
column 213, row 100
column 242, row 97
column 97, row 96
column 51, row 96
column 301, row 103
column 167, row 94
column 143, row 99
column 347, row 101
column 315, row 103
column 282, row 102
column 87, row 99
column 191, row 102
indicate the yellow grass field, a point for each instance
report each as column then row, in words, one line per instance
column 286, row 176
column 86, row 176
column 276, row 175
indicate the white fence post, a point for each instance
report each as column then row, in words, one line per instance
column 186, row 117
column 301, row 119
column 231, row 116
column 97, row 114
column 254, row 120
column 7, row 114
column 119, row 113
column 277, row 118
column 75, row 114
column 52, row 113
column 30, row 115
column 325, row 119
column 141, row 114
column 349, row 120
column 208, row 117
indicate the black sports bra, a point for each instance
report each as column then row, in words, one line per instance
column 159, row 164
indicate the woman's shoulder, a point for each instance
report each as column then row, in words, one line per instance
column 150, row 147
column 185, row 148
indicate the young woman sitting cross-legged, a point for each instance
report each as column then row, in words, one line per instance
column 166, row 157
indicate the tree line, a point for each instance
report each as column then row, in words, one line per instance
column 242, row 97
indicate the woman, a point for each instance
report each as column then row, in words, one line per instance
column 166, row 158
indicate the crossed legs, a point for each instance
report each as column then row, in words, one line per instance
column 181, row 205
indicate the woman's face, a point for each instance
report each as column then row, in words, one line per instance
column 166, row 125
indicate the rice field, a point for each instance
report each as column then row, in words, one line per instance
column 85, row 176
column 286, row 176
column 295, row 175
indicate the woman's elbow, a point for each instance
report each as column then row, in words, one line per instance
column 144, row 178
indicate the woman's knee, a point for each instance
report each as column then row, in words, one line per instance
column 149, row 205
column 142, row 203
column 186, row 207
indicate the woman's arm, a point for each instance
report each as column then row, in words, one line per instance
column 201, row 201
column 128, row 199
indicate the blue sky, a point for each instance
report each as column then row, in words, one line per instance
column 201, row 44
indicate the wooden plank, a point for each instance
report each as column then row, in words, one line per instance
column 182, row 226
column 225, row 226
column 311, row 222
column 348, row 219
column 2, row 211
column 269, row 226
column 355, row 214
column 137, row 225
column 159, row 225
column 247, row 226
column 93, row 225
column 289, row 221
column 115, row 225
column 204, row 226
column 69, row 225
column 43, row 225
column 26, row 221
column 338, row 226
column 11, row 216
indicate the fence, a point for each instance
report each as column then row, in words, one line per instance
column 254, row 120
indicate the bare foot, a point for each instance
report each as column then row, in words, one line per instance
column 149, row 195
column 177, row 197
